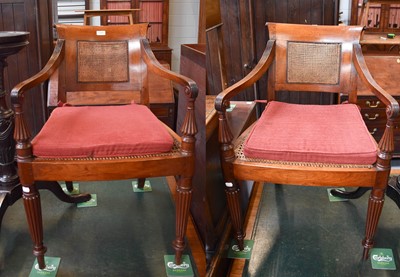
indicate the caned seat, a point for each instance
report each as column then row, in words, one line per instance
column 304, row 144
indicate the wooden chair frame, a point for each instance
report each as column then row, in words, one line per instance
column 34, row 170
column 376, row 176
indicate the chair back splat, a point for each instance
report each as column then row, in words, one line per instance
column 309, row 145
column 100, row 126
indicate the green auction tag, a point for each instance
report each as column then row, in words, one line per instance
column 90, row 203
column 52, row 264
column 146, row 188
column 334, row 198
column 184, row 269
column 382, row 258
column 235, row 253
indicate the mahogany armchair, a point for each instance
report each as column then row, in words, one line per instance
column 105, row 129
column 309, row 145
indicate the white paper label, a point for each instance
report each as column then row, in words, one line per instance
column 229, row 184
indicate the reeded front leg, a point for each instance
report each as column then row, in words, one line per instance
column 184, row 196
column 375, row 205
column 225, row 138
column 232, row 196
column 33, row 213
column 140, row 183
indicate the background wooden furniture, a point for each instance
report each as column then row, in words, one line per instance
column 384, row 70
column 244, row 23
column 379, row 40
column 154, row 12
column 379, row 18
column 86, row 42
column 280, row 55
column 128, row 13
column 29, row 16
column 216, row 65
column 376, row 15
column 10, row 189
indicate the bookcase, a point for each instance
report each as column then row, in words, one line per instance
column 382, row 16
column 155, row 12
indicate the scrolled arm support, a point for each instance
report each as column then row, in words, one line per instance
column 154, row 66
column 392, row 106
column 386, row 143
column 189, row 128
column 21, row 132
column 222, row 101
column 18, row 91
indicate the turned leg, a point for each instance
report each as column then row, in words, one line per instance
column 56, row 189
column 69, row 185
column 140, row 183
column 184, row 196
column 355, row 194
column 33, row 213
column 232, row 195
column 375, row 205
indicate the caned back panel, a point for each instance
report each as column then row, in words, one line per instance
column 313, row 58
column 102, row 64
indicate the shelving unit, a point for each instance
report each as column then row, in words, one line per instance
column 381, row 16
column 154, row 12
column 69, row 12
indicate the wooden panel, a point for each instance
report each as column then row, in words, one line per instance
column 215, row 70
column 292, row 11
column 238, row 42
column 245, row 35
column 26, row 15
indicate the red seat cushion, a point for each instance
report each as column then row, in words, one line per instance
column 311, row 133
column 101, row 131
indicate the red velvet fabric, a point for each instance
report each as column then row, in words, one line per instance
column 311, row 133
column 107, row 131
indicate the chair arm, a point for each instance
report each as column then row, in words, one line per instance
column 261, row 67
column 392, row 106
column 189, row 127
column 18, row 91
column 154, row 66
